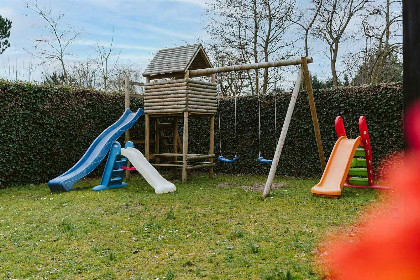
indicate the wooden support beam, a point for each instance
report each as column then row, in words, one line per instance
column 176, row 137
column 189, row 156
column 311, row 100
column 137, row 84
column 211, row 148
column 244, row 67
column 147, row 136
column 135, row 95
column 203, row 165
column 185, row 149
column 127, row 92
column 157, row 138
column 167, row 165
column 197, row 157
column 169, row 155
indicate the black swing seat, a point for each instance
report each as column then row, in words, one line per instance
column 222, row 159
column 263, row 160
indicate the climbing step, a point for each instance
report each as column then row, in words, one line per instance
column 358, row 162
column 360, row 152
column 359, row 172
column 117, row 172
column 116, row 180
column 357, row 181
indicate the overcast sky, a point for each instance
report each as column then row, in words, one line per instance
column 141, row 28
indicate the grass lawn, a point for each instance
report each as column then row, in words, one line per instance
column 201, row 231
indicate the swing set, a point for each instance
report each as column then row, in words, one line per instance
column 303, row 75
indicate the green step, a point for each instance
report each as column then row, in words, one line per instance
column 359, row 181
column 358, row 162
column 360, row 152
column 359, row 172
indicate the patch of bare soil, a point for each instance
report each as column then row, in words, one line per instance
column 255, row 187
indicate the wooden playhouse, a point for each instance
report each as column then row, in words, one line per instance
column 171, row 98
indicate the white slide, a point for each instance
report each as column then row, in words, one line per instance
column 152, row 176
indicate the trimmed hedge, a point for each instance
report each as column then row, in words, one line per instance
column 44, row 130
column 381, row 105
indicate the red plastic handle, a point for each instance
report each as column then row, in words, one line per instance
column 128, row 168
column 339, row 127
column 364, row 134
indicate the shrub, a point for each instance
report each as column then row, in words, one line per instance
column 44, row 130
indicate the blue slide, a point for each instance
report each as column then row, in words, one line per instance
column 96, row 152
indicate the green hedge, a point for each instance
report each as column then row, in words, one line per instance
column 381, row 105
column 44, row 130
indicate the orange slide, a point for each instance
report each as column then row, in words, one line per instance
column 338, row 166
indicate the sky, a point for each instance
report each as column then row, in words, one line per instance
column 139, row 28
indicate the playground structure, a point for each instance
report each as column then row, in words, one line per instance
column 118, row 159
column 303, row 75
column 95, row 153
column 350, row 163
column 172, row 94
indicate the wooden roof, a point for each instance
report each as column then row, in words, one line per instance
column 177, row 61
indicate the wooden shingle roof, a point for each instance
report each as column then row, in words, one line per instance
column 177, row 61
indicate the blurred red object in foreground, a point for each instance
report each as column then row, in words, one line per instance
column 386, row 245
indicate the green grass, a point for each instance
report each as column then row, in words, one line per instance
column 201, row 231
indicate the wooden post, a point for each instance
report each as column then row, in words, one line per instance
column 147, row 132
column 185, row 149
column 157, row 138
column 147, row 136
column 245, row 67
column 127, row 92
column 283, row 135
column 309, row 89
column 176, row 135
column 211, row 149
column 127, row 106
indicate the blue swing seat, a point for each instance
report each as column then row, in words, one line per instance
column 263, row 160
column 222, row 159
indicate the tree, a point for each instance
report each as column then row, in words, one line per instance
column 392, row 70
column 230, row 83
column 104, row 60
column 383, row 25
column 253, row 31
column 55, row 47
column 5, row 26
column 85, row 74
column 307, row 22
column 54, row 79
column 317, row 84
column 334, row 18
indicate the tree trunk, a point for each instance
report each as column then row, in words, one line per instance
column 334, row 51
column 63, row 67
column 385, row 53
